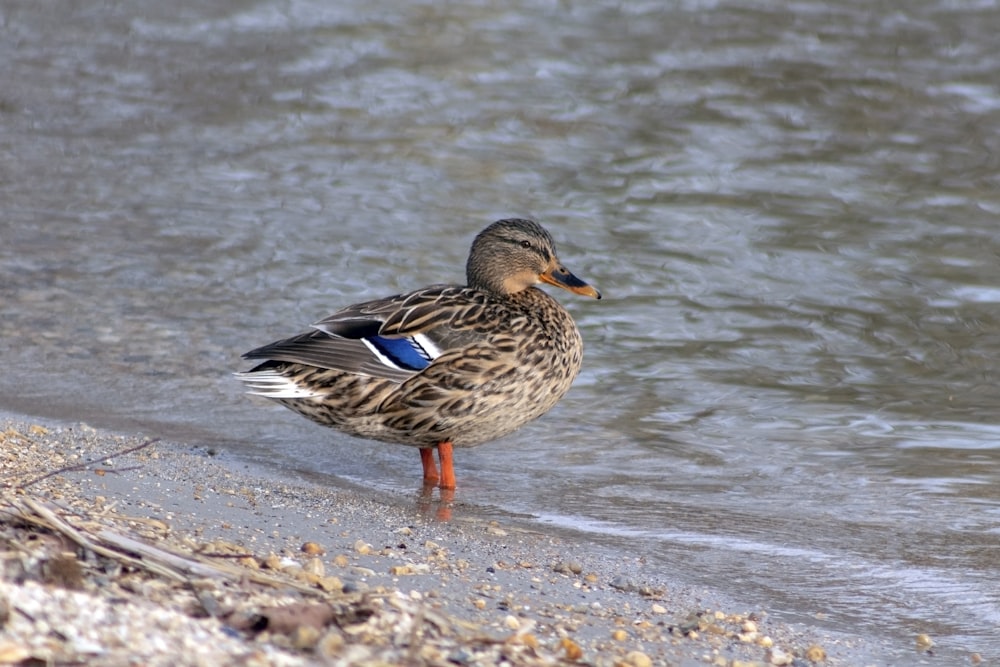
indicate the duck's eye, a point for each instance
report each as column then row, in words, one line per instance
column 525, row 244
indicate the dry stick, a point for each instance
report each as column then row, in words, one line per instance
column 153, row 559
column 197, row 567
column 174, row 561
column 116, row 471
column 151, row 554
column 222, row 556
column 87, row 464
column 57, row 523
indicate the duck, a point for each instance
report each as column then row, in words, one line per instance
column 443, row 367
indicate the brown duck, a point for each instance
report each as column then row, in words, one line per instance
column 442, row 366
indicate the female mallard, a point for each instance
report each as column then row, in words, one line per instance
column 443, row 366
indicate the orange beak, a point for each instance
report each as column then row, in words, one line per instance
column 560, row 276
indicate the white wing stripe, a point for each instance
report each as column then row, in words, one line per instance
column 270, row 384
column 426, row 347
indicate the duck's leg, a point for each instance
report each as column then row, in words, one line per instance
column 447, row 467
column 431, row 476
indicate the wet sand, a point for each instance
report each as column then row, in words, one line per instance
column 244, row 568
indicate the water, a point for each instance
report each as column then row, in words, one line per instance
column 790, row 387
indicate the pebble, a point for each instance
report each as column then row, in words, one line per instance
column 512, row 622
column 619, row 635
column 924, row 642
column 572, row 649
column 363, row 547
column 315, row 566
column 638, row 659
column 12, row 653
column 352, row 586
column 623, row 584
column 363, row 571
column 815, row 653
column 567, row 567
column 331, row 584
column 778, row 657
column 330, row 644
column 249, row 562
column 305, row 637
column 313, row 549
column 658, row 609
column 294, row 570
column 493, row 529
column 461, row 657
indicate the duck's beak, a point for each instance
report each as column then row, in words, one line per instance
column 560, row 276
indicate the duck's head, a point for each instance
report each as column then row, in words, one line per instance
column 512, row 255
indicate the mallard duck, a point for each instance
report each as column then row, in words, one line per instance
column 443, row 366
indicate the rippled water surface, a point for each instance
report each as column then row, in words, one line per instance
column 790, row 389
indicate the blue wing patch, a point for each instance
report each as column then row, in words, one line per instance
column 403, row 352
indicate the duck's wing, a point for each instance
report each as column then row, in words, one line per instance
column 393, row 338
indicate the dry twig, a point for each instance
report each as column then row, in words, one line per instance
column 87, row 464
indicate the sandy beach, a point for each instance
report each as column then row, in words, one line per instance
column 169, row 554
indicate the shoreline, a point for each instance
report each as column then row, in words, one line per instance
column 340, row 574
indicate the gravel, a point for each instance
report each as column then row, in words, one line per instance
column 117, row 550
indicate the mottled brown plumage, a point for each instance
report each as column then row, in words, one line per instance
column 443, row 365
